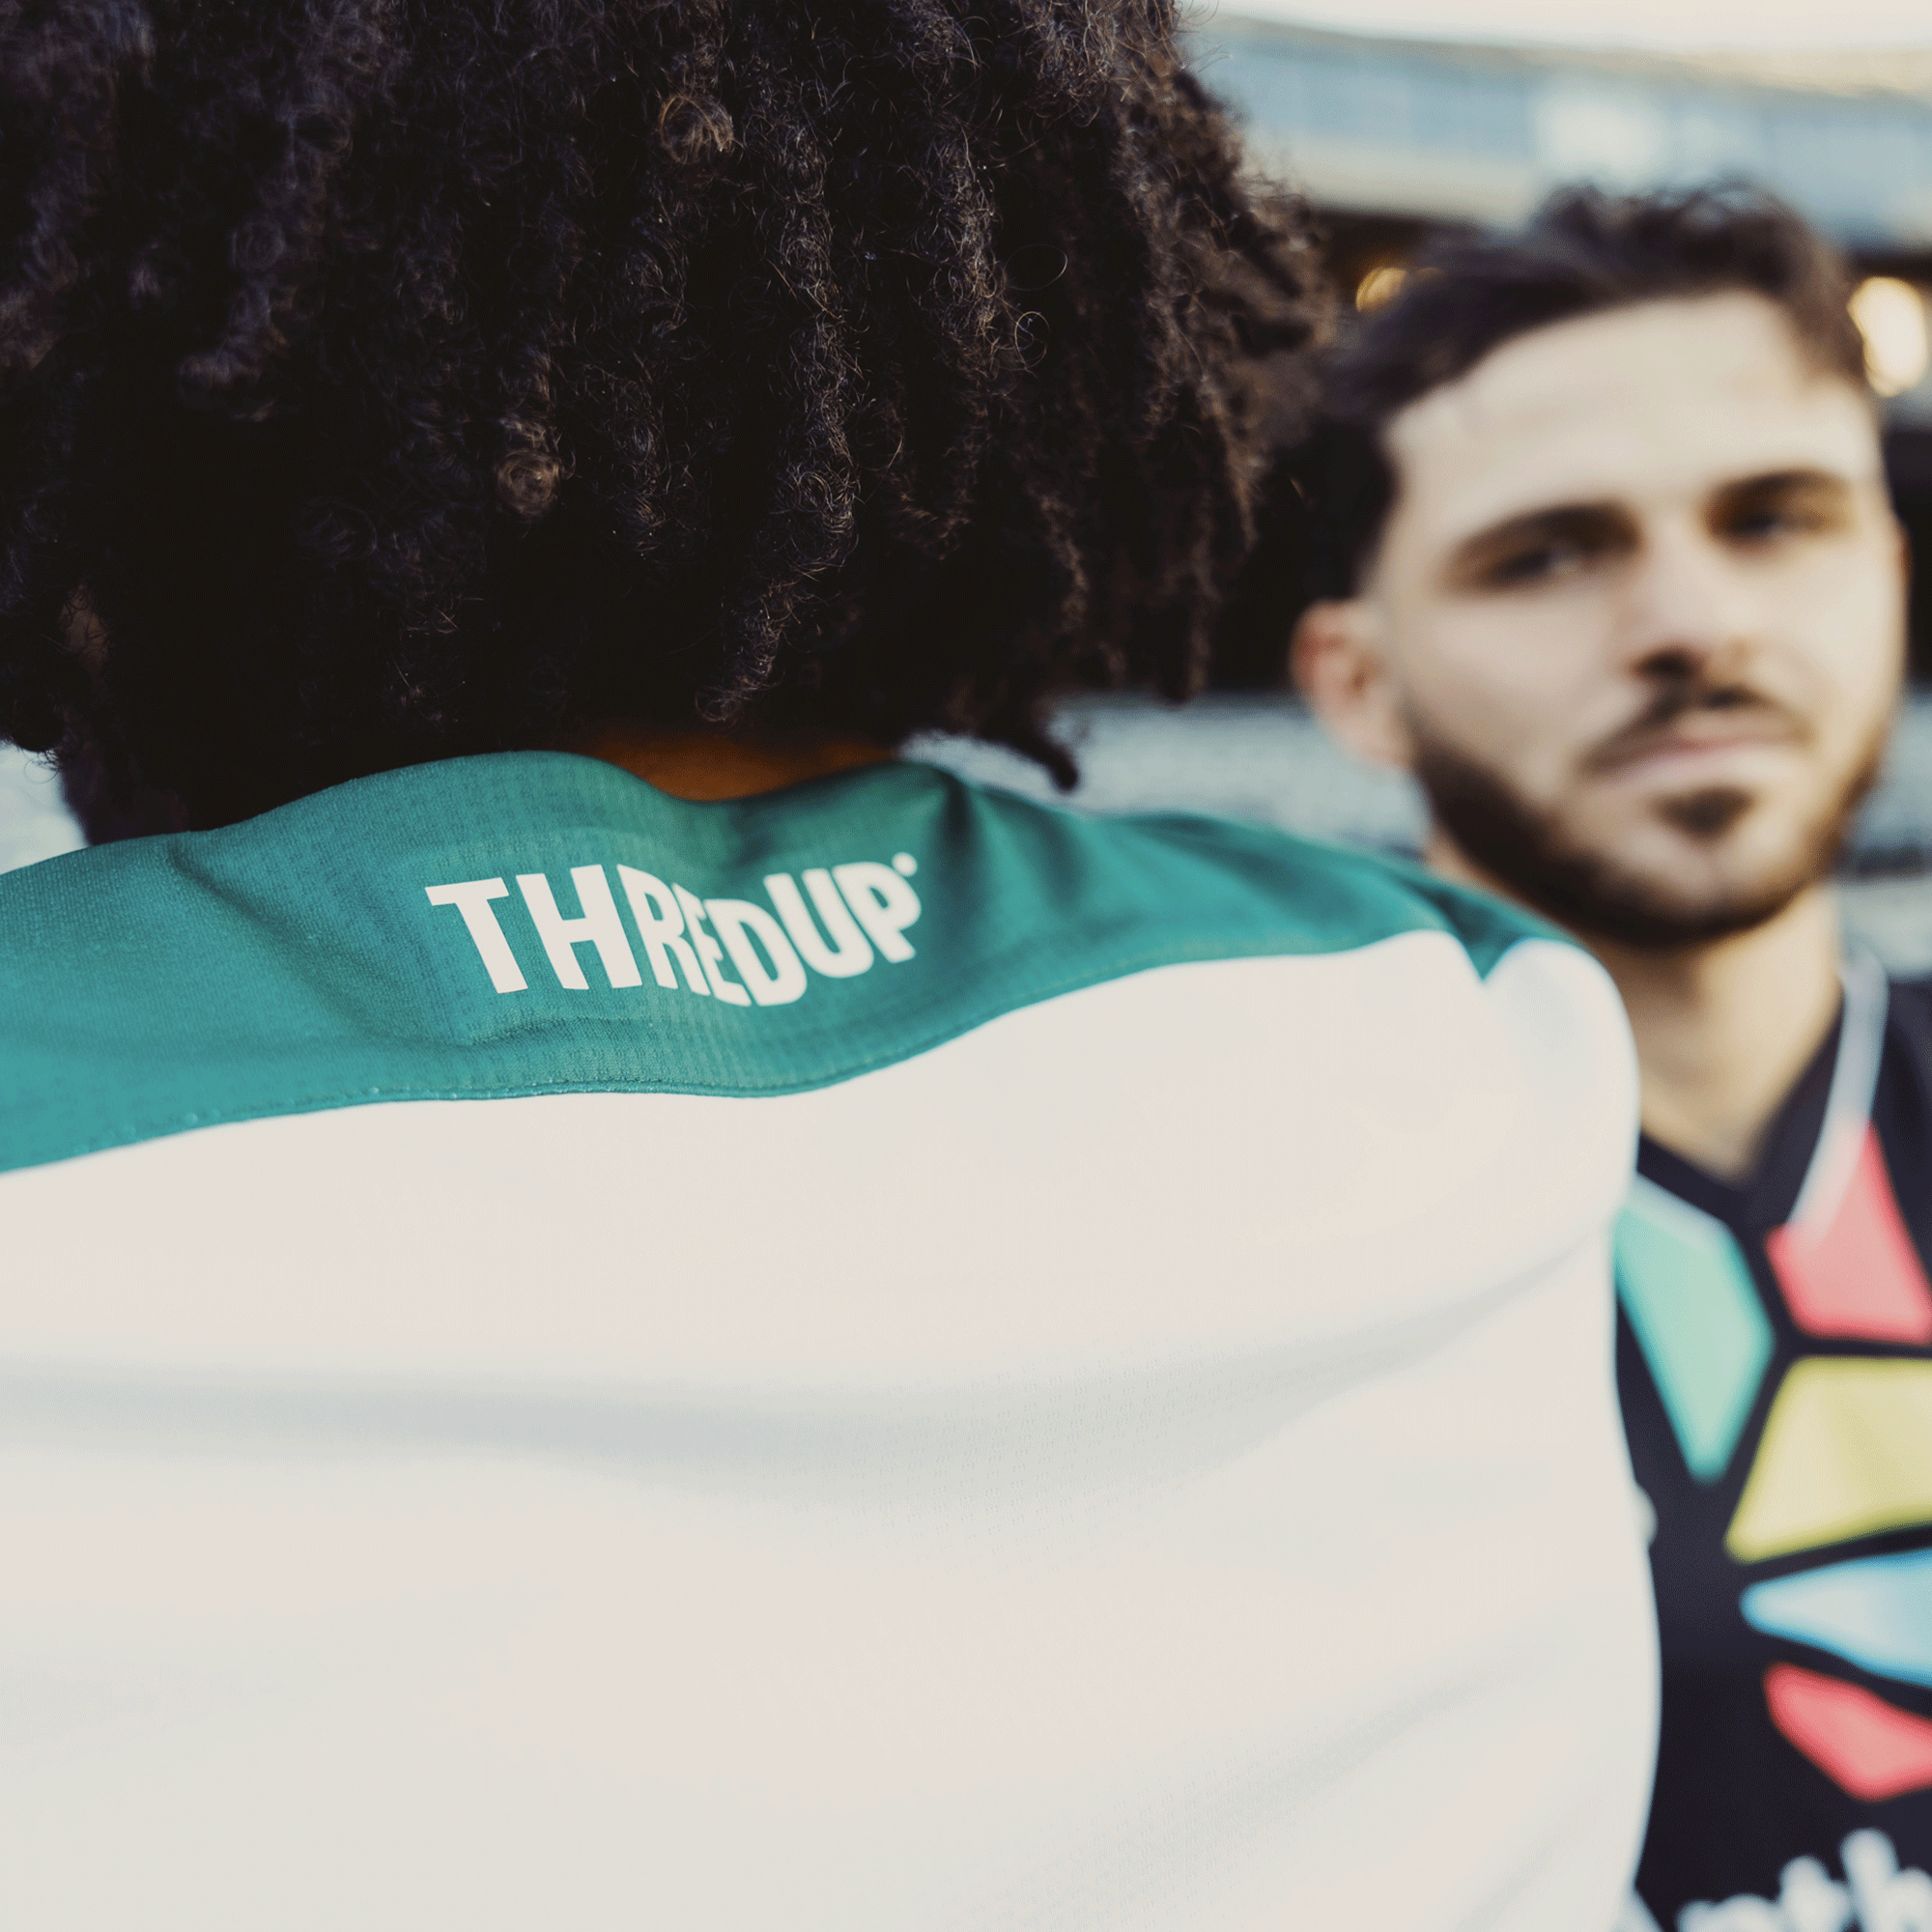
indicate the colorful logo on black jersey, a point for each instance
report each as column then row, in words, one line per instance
column 1845, row 1452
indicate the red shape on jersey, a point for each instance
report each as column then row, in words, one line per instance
column 1860, row 1276
column 1872, row 1748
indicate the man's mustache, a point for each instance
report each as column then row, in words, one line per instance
column 1751, row 710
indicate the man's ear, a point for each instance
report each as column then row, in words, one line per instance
column 1339, row 667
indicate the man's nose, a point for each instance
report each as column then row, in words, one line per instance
column 1689, row 612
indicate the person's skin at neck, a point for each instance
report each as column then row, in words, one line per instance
column 1641, row 574
column 707, row 763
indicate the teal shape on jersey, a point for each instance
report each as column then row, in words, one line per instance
column 1690, row 1297
column 1876, row 1613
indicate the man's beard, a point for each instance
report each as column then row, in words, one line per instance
column 1526, row 850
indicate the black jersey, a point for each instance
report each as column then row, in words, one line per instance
column 1774, row 1359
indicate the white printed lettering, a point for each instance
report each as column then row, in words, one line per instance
column 1811, row 1899
column 661, row 926
column 1888, row 1899
column 1881, row 1898
column 1742, row 1913
column 599, row 926
column 709, row 950
column 856, row 912
column 848, row 953
column 739, row 922
column 884, row 904
column 473, row 899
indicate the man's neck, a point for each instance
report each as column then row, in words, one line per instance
column 708, row 765
column 1722, row 1030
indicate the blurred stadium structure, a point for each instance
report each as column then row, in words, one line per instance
column 1413, row 132
column 1392, row 140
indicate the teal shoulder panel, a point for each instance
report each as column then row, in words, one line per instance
column 537, row 923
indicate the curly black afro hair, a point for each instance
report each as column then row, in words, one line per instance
column 387, row 379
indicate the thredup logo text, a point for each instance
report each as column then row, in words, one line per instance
column 835, row 920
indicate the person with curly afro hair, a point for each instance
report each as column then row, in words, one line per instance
column 622, row 1308
column 385, row 384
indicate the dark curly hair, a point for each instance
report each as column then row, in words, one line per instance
column 1581, row 253
column 387, row 379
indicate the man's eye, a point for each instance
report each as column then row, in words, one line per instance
column 1761, row 525
column 1536, row 563
column 1771, row 519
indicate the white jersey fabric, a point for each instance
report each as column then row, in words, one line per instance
column 1098, row 1416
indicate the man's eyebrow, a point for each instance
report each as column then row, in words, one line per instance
column 1590, row 520
column 1771, row 480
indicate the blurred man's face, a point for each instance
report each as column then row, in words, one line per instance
column 1637, row 619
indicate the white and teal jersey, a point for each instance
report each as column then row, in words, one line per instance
column 874, row 1358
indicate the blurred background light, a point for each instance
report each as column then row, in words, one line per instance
column 1379, row 286
column 1891, row 315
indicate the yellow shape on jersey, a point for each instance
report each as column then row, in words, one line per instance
column 1847, row 1451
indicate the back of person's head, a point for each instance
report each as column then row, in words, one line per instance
column 1584, row 254
column 382, row 382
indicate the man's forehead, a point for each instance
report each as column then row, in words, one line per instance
column 1659, row 402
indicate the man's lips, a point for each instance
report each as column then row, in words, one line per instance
column 1689, row 741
